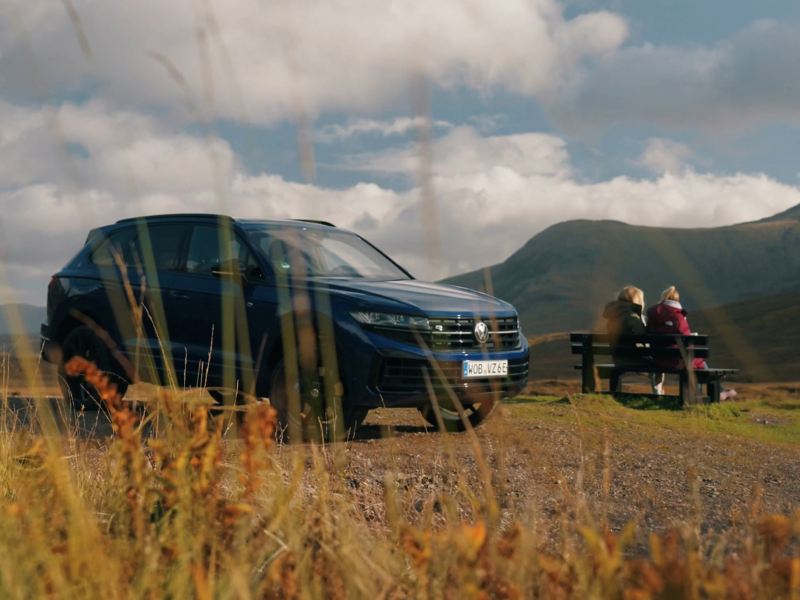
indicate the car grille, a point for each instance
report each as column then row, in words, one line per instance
column 408, row 375
column 457, row 333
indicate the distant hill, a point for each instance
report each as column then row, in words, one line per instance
column 561, row 278
column 31, row 317
column 760, row 337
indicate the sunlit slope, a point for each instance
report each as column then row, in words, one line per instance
column 759, row 336
column 563, row 276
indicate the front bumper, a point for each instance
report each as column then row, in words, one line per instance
column 404, row 381
column 403, row 375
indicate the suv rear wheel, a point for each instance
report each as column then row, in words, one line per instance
column 83, row 342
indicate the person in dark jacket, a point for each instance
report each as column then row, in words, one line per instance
column 624, row 316
column 668, row 316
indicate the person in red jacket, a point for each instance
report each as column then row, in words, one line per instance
column 668, row 316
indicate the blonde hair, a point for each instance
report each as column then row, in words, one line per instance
column 630, row 293
column 671, row 293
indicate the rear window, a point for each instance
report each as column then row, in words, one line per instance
column 117, row 244
column 136, row 246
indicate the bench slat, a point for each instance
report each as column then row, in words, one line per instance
column 665, row 339
column 662, row 352
column 606, row 369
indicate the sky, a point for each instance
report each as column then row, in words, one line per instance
column 448, row 133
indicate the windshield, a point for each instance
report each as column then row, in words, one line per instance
column 310, row 252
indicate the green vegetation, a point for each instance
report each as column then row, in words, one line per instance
column 771, row 420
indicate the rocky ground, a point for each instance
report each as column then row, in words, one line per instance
column 552, row 457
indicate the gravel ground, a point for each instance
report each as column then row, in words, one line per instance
column 545, row 461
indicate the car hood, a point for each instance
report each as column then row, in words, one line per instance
column 420, row 296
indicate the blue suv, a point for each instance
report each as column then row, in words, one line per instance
column 309, row 315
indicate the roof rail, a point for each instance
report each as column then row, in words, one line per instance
column 328, row 223
column 207, row 216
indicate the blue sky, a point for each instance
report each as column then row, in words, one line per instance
column 423, row 126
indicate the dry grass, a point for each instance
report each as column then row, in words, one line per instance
column 177, row 504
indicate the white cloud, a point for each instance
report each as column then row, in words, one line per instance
column 665, row 156
column 488, row 194
column 465, row 152
column 396, row 127
column 744, row 81
column 118, row 151
column 247, row 59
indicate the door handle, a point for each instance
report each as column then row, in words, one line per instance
column 176, row 294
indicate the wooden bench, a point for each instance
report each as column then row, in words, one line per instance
column 639, row 354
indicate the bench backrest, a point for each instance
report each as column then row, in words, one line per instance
column 656, row 345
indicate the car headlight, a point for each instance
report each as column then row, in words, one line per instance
column 378, row 319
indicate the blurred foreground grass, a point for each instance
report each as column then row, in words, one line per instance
column 180, row 503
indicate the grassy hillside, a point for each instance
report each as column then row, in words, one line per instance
column 760, row 336
column 562, row 277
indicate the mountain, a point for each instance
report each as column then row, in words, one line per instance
column 562, row 277
column 30, row 317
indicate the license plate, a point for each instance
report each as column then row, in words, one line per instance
column 484, row 368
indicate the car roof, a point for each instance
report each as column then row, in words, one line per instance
column 208, row 217
column 218, row 217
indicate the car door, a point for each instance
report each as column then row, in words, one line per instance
column 222, row 306
column 151, row 262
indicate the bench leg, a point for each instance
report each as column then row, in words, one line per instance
column 615, row 383
column 687, row 389
column 588, row 375
column 714, row 387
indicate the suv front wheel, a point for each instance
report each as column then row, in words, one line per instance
column 311, row 418
column 474, row 414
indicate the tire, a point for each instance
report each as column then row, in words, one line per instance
column 83, row 342
column 309, row 423
column 353, row 418
column 475, row 413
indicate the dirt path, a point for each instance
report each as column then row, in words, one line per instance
column 543, row 460
column 547, row 458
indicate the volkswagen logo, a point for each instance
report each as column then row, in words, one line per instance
column 481, row 332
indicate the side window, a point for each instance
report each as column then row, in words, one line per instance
column 205, row 254
column 286, row 257
column 117, row 244
column 252, row 270
column 165, row 245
